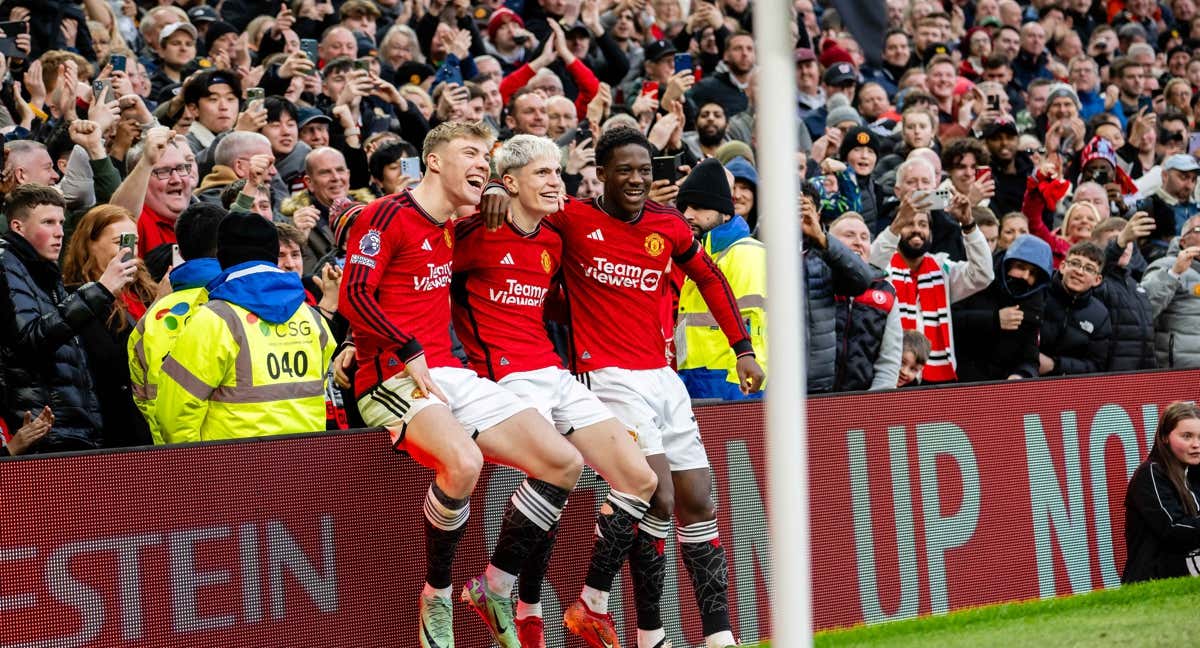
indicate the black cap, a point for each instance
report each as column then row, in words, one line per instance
column 935, row 49
column 1001, row 125
column 858, row 136
column 243, row 237
column 706, row 187
column 412, row 72
column 202, row 14
column 658, row 49
column 217, row 30
column 840, row 74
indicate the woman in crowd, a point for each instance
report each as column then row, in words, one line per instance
column 94, row 244
column 1162, row 529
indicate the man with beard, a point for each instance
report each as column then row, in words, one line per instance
column 996, row 330
column 728, row 88
column 928, row 284
column 706, row 364
column 710, row 131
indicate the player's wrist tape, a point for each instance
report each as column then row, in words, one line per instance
column 743, row 348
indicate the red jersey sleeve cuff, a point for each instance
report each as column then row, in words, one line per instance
column 410, row 350
column 743, row 348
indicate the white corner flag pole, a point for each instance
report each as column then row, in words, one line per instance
column 776, row 124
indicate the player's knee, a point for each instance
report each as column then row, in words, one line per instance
column 662, row 504
column 689, row 510
column 462, row 466
column 569, row 467
column 644, row 483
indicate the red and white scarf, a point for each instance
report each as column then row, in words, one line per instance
column 927, row 294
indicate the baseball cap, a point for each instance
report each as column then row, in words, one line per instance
column 1001, row 125
column 1181, row 162
column 805, row 54
column 202, row 14
column 306, row 116
column 658, row 49
column 171, row 29
column 840, row 74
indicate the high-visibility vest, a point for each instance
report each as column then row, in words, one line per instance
column 151, row 340
column 232, row 375
column 700, row 345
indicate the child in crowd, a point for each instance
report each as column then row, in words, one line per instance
column 913, row 358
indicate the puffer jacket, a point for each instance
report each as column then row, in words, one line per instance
column 42, row 359
column 828, row 273
column 986, row 351
column 1076, row 331
column 1129, row 309
column 1175, row 307
column 866, row 357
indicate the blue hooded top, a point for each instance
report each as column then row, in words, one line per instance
column 1035, row 252
column 195, row 273
column 261, row 288
column 741, row 169
column 727, row 233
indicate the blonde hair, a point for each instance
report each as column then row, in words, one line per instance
column 446, row 132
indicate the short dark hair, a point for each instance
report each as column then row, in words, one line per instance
column 196, row 86
column 954, row 152
column 1089, row 251
column 196, row 230
column 337, row 65
column 277, row 106
column 289, row 233
column 22, row 200
column 615, row 139
column 388, row 154
column 995, row 61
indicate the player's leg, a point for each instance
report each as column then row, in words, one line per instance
column 647, row 556
column 695, row 514
column 427, row 431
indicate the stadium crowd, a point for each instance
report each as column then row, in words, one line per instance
column 1008, row 192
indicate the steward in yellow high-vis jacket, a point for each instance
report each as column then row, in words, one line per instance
column 156, row 332
column 706, row 364
column 251, row 362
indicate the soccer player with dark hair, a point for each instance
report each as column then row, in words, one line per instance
column 396, row 294
column 616, row 249
column 501, row 280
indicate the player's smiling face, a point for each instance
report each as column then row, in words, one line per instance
column 463, row 164
column 626, row 178
column 537, row 186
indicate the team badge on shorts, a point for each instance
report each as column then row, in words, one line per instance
column 417, row 393
column 654, row 245
column 370, row 243
column 546, row 261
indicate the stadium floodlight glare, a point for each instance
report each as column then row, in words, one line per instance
column 787, row 441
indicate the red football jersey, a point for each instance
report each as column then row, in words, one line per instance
column 499, row 288
column 396, row 288
column 614, row 270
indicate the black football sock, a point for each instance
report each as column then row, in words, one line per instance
column 704, row 558
column 648, row 567
column 445, row 522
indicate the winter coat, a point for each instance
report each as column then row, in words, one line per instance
column 1076, row 331
column 1161, row 539
column 43, row 359
column 870, row 339
column 986, row 351
column 1175, row 307
column 1129, row 309
column 828, row 273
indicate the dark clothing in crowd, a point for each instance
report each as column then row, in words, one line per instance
column 1161, row 538
column 1076, row 331
column 1129, row 310
column 828, row 273
column 860, row 324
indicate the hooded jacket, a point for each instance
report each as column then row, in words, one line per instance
column 986, row 351
column 251, row 362
column 743, row 170
column 1128, row 306
column 1076, row 331
column 42, row 360
column 829, row 273
column 1175, row 307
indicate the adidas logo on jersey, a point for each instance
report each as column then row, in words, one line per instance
column 425, row 246
column 585, row 356
column 596, row 235
column 507, row 260
column 503, row 361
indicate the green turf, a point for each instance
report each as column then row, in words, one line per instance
column 1161, row 613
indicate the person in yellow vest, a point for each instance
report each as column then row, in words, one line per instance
column 252, row 360
column 705, row 362
column 155, row 334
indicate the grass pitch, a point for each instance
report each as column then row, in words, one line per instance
column 1146, row 615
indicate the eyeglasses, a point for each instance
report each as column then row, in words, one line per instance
column 1194, row 230
column 1076, row 264
column 1031, row 151
column 164, row 173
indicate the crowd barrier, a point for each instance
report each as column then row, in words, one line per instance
column 923, row 502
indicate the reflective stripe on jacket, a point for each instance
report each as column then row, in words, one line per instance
column 233, row 375
column 701, row 347
column 150, row 342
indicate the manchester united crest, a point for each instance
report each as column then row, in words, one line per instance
column 446, row 237
column 546, row 261
column 654, row 245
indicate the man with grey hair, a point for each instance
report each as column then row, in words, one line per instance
column 917, row 174
column 233, row 157
column 506, row 342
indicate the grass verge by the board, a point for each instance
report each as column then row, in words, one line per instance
column 1146, row 615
